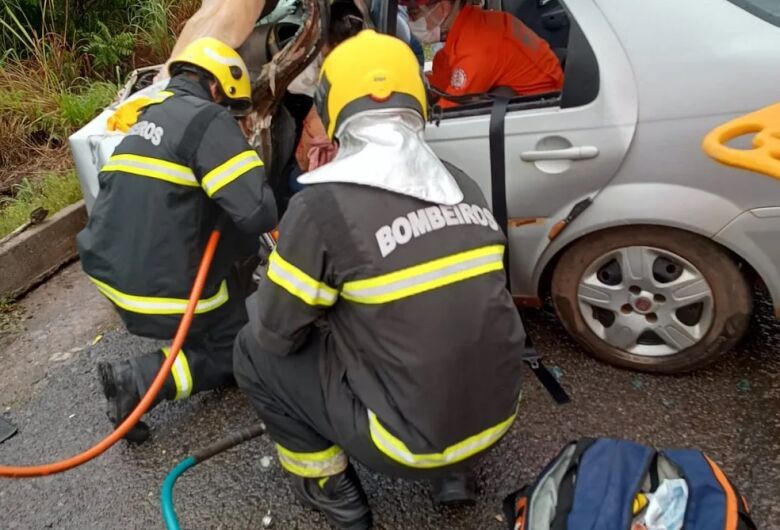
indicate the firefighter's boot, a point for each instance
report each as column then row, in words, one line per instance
column 340, row 497
column 120, row 387
column 455, row 489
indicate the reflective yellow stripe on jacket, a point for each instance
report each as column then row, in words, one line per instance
column 151, row 305
column 298, row 283
column 397, row 450
column 426, row 276
column 155, row 168
column 181, row 374
column 313, row 465
column 224, row 174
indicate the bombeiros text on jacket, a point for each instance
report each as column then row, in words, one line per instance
column 419, row 222
column 149, row 131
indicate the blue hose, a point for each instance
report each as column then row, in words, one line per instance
column 232, row 440
column 166, row 496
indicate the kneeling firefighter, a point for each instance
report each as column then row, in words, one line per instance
column 383, row 330
column 183, row 165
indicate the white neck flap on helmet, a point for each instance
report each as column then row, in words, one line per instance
column 385, row 149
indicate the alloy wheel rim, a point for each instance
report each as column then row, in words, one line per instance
column 645, row 301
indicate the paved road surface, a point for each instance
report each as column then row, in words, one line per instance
column 730, row 410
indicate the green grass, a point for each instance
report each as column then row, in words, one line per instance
column 77, row 107
column 151, row 26
column 10, row 318
column 58, row 113
column 60, row 64
column 53, row 192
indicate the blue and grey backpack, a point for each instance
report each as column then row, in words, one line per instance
column 605, row 484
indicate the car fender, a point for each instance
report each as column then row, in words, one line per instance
column 651, row 203
column 753, row 237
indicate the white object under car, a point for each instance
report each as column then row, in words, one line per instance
column 93, row 144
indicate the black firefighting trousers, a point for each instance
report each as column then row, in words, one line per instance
column 204, row 363
column 315, row 428
column 206, row 360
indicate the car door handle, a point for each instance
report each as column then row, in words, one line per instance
column 584, row 152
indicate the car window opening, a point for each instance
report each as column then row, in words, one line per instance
column 552, row 22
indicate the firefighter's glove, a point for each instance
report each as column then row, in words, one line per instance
column 263, row 254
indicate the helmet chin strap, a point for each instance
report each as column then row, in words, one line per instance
column 222, row 101
column 203, row 78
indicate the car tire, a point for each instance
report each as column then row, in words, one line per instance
column 729, row 301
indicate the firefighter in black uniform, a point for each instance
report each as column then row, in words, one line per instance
column 383, row 329
column 182, row 166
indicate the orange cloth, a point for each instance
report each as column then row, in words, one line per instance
column 314, row 148
column 487, row 49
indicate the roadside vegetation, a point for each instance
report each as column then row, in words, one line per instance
column 61, row 61
column 52, row 192
column 10, row 318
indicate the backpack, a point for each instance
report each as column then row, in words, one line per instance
column 605, row 484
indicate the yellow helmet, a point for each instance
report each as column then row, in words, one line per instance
column 222, row 62
column 368, row 71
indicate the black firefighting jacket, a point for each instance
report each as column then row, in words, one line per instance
column 422, row 327
column 161, row 192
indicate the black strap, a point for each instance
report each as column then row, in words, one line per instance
column 746, row 522
column 655, row 479
column 498, row 195
column 497, row 160
column 193, row 134
column 548, row 380
column 498, row 169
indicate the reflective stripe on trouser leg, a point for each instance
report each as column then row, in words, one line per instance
column 181, row 374
column 397, row 450
column 325, row 463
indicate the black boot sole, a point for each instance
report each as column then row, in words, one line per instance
column 455, row 500
column 454, row 493
column 363, row 522
column 140, row 431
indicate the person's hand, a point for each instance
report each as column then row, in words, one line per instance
column 283, row 9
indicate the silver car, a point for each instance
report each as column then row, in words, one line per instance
column 647, row 247
column 655, row 273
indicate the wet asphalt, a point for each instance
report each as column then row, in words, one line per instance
column 731, row 410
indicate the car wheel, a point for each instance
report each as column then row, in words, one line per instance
column 651, row 298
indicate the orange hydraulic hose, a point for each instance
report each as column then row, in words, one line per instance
column 146, row 401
